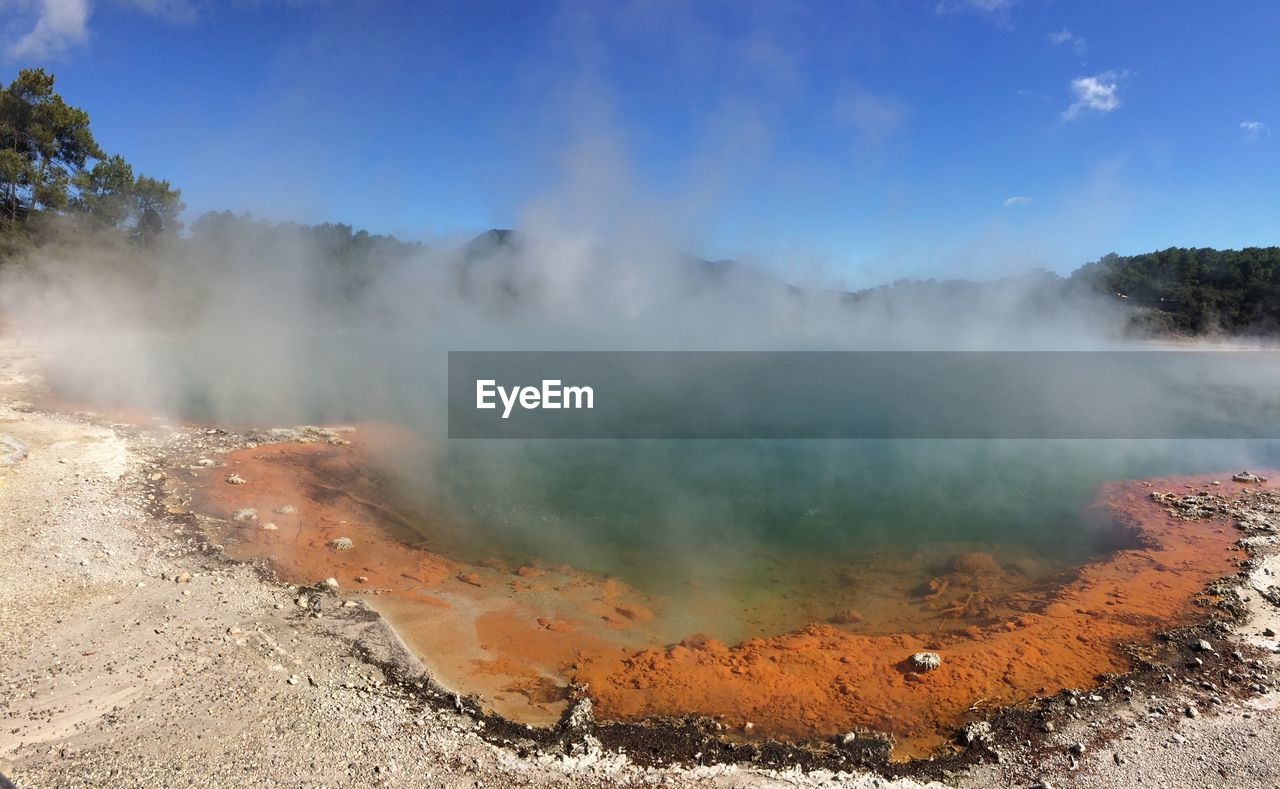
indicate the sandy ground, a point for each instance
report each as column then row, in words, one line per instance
column 134, row 654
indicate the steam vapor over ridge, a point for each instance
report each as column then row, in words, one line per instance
column 254, row 319
column 262, row 325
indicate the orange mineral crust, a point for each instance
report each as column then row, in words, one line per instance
column 822, row 679
column 518, row 634
column 507, row 632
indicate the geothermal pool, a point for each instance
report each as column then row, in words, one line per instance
column 770, row 533
column 778, row 586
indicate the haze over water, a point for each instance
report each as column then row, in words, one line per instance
column 787, row 527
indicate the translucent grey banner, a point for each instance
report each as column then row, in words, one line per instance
column 864, row 394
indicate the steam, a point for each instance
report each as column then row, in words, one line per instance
column 244, row 324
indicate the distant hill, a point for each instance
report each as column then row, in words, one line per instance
column 489, row 264
column 498, row 242
column 1172, row 292
column 1193, row 291
column 1175, row 291
column 491, row 241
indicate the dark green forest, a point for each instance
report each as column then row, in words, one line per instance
column 1194, row 291
column 58, row 188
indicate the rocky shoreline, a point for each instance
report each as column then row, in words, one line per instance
column 139, row 654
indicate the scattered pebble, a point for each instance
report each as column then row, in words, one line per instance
column 926, row 661
column 235, row 479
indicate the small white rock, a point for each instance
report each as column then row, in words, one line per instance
column 926, row 661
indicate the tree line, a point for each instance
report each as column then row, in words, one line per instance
column 58, row 186
column 52, row 170
column 1193, row 291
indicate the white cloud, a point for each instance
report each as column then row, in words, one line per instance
column 1254, row 130
column 1017, row 200
column 874, row 118
column 59, row 25
column 1099, row 92
column 171, row 10
column 985, row 6
column 996, row 11
column 1065, row 37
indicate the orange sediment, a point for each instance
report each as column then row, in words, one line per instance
column 518, row 634
column 506, row 632
column 824, row 679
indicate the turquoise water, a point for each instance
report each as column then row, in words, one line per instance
column 650, row 510
column 750, row 538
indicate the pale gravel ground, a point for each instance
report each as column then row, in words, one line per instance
column 1231, row 745
column 112, row 674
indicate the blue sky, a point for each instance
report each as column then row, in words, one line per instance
column 857, row 140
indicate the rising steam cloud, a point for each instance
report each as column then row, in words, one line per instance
column 245, row 324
